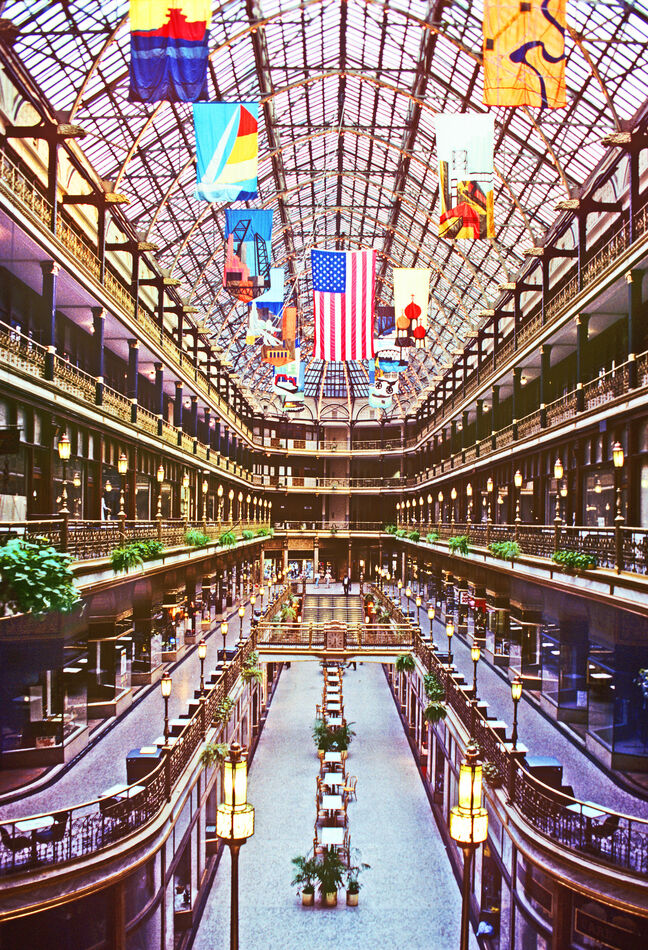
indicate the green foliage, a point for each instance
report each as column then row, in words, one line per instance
column 506, row 550
column 432, row 536
column 458, row 544
column 435, row 711
column 227, row 539
column 390, row 529
column 492, row 775
column 288, row 614
column 265, row 532
column 433, row 687
column 246, row 534
column 354, row 871
column 405, row 663
column 251, row 669
column 332, row 739
column 330, row 871
column 414, row 535
column 574, row 559
column 333, row 529
column 223, row 712
column 214, row 753
column 305, row 873
column 121, row 559
column 36, row 578
column 132, row 555
column 195, row 538
column 401, row 533
column 383, row 615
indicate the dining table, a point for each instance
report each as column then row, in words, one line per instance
column 31, row 826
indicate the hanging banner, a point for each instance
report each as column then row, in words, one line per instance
column 343, row 299
column 524, row 53
column 390, row 357
column 169, row 48
column 264, row 318
column 227, row 150
column 465, row 155
column 289, row 379
column 411, row 300
column 247, row 259
column 283, row 351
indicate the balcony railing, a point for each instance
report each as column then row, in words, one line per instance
column 93, row 826
column 561, row 818
column 17, row 185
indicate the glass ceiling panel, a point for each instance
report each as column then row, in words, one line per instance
column 351, row 110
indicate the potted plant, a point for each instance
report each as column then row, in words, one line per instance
column 330, row 875
column 323, row 738
column 459, row 544
column 36, row 578
column 405, row 663
column 341, row 739
column 353, row 885
column 305, row 877
column 214, row 753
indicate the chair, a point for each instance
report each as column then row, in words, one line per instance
column 14, row 843
column 56, row 832
column 350, row 789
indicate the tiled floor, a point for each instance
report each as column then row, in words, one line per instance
column 410, row 900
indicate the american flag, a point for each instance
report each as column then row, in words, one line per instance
column 343, row 291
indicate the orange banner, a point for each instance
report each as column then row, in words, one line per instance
column 524, row 53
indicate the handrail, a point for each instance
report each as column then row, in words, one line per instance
column 560, row 817
column 95, row 825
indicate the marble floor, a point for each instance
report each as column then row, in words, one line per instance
column 410, row 898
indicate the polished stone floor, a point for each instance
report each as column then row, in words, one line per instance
column 410, row 898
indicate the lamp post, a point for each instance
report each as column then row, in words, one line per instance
column 219, row 494
column 160, row 481
column 241, row 613
column 224, row 636
column 234, row 825
column 429, row 507
column 440, row 500
column 64, row 450
column 248, row 499
column 230, row 496
column 407, row 506
column 398, row 515
column 430, row 614
column 252, row 603
column 240, row 506
column 76, row 481
column 469, row 496
column 122, row 468
column 205, row 489
column 185, row 497
column 516, row 693
column 558, row 474
column 475, row 653
column 618, row 459
column 468, row 827
column 270, row 512
column 421, row 514
column 449, row 635
column 489, row 491
column 400, row 595
column 517, row 481
column 202, row 653
column 418, row 610
column 165, row 686
column 453, row 498
column 261, row 593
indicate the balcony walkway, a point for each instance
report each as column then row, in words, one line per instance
column 409, row 898
column 104, row 764
column 537, row 733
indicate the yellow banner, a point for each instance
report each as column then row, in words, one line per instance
column 524, row 53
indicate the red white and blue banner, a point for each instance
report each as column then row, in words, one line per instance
column 343, row 298
column 227, row 150
column 169, row 50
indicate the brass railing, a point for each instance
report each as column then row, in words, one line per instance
column 98, row 824
column 560, row 817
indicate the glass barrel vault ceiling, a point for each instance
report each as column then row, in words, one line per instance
column 349, row 91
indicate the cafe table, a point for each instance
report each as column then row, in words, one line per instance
column 332, row 803
column 334, row 720
column 31, row 826
column 332, row 757
column 331, row 836
column 333, row 779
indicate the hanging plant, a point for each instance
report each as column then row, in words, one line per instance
column 213, row 754
column 405, row 663
column 223, row 712
column 36, row 578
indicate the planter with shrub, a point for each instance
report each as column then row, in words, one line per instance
column 459, row 544
column 36, row 578
column 305, row 876
column 505, row 550
column 574, row 560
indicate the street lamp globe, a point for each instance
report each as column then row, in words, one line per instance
column 64, row 447
column 165, row 685
column 122, row 464
column 517, row 479
column 558, row 469
column 202, row 650
column 475, row 652
column 618, row 456
column 160, row 473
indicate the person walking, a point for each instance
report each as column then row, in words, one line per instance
column 345, row 585
column 327, row 577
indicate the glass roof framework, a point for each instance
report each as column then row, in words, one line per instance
column 347, row 146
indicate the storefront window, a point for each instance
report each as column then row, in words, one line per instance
column 599, row 498
column 596, row 926
column 550, row 653
column 601, row 693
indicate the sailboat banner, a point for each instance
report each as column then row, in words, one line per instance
column 169, row 48
column 247, row 259
column 264, row 319
column 411, row 299
column 524, row 53
column 465, row 155
column 227, row 150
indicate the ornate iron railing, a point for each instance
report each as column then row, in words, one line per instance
column 93, row 826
